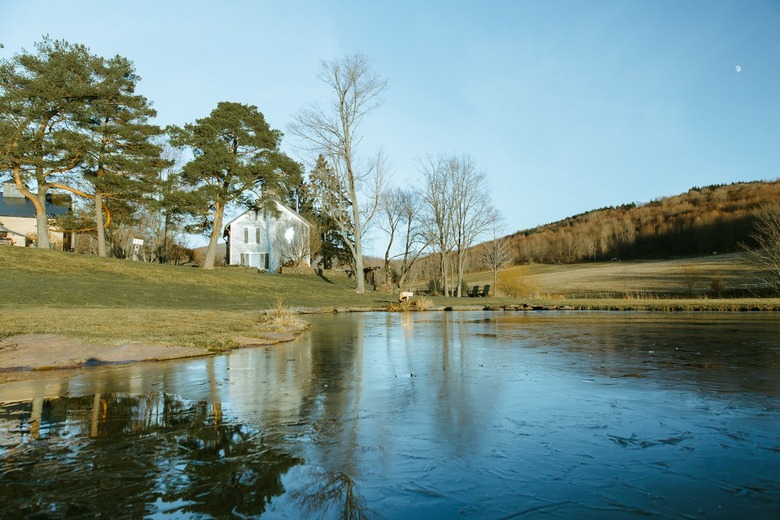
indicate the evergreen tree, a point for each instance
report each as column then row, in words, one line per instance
column 41, row 95
column 236, row 153
column 322, row 191
column 171, row 202
column 123, row 161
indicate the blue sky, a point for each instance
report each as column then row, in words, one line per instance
column 567, row 106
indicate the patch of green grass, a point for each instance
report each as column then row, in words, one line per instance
column 42, row 278
column 112, row 301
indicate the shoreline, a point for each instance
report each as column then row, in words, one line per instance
column 40, row 352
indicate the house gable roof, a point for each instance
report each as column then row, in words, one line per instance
column 281, row 206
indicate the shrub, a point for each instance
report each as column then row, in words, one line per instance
column 514, row 284
column 717, row 285
column 434, row 287
column 414, row 304
column 422, row 303
column 690, row 275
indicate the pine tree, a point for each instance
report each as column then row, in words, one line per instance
column 236, row 154
column 321, row 192
column 123, row 161
column 41, row 95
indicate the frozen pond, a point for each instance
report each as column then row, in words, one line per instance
column 428, row 415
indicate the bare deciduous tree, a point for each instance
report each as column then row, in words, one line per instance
column 333, row 131
column 474, row 214
column 292, row 241
column 400, row 210
column 690, row 274
column 496, row 254
column 766, row 254
column 458, row 211
column 437, row 192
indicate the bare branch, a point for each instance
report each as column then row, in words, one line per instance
column 333, row 132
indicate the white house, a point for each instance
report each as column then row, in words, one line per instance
column 259, row 239
column 17, row 216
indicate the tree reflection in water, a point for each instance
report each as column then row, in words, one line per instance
column 496, row 415
column 327, row 490
column 131, row 456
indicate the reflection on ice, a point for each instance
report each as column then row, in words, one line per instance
column 130, row 456
column 417, row 415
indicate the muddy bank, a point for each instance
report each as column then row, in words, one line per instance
column 50, row 352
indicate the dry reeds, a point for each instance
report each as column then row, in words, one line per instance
column 421, row 303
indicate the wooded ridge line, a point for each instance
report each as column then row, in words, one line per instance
column 711, row 219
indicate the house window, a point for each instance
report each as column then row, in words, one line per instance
column 258, row 235
column 259, row 260
column 246, row 235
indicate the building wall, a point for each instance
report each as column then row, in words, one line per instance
column 252, row 238
column 26, row 226
column 17, row 214
column 249, row 242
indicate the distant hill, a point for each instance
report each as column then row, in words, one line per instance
column 704, row 220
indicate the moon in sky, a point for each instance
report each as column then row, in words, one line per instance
column 738, row 68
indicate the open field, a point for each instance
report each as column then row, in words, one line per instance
column 106, row 301
column 675, row 278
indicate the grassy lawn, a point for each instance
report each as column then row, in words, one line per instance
column 111, row 301
column 106, row 300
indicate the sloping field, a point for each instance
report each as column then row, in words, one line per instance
column 685, row 277
column 112, row 301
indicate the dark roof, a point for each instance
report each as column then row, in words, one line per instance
column 23, row 207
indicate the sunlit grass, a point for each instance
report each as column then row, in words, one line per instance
column 632, row 279
column 111, row 301
column 164, row 327
column 54, row 279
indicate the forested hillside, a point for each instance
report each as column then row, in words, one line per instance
column 702, row 221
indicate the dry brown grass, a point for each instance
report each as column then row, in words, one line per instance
column 675, row 278
column 281, row 317
column 419, row 303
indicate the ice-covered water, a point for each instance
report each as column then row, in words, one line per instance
column 429, row 415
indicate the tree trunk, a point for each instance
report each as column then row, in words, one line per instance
column 388, row 270
column 163, row 256
column 41, row 220
column 216, row 230
column 459, row 274
column 39, row 201
column 101, row 232
column 361, row 282
column 443, row 265
column 357, row 231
